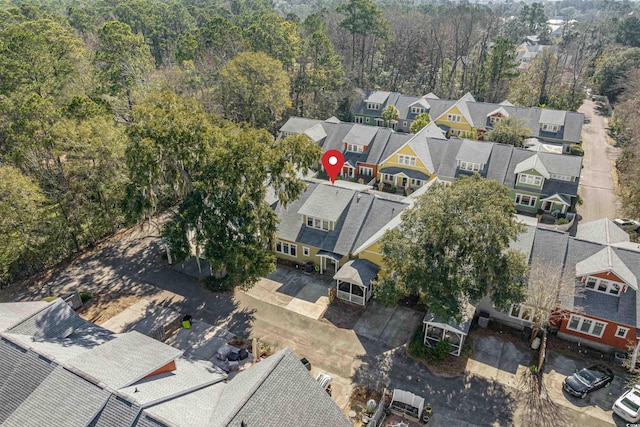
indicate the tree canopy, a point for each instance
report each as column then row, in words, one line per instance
column 508, row 130
column 453, row 248
column 421, row 121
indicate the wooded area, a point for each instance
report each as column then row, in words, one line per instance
column 110, row 111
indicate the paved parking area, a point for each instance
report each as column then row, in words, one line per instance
column 298, row 292
column 391, row 325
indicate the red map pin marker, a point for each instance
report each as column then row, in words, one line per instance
column 332, row 162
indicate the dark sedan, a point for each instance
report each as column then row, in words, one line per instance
column 586, row 380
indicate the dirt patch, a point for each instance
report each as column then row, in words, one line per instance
column 358, row 401
column 105, row 305
column 342, row 314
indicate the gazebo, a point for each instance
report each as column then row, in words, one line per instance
column 353, row 280
column 437, row 329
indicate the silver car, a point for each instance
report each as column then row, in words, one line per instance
column 628, row 405
column 627, row 224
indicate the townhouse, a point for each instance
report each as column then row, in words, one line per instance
column 466, row 115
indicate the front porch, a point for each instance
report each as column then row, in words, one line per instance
column 353, row 281
column 555, row 204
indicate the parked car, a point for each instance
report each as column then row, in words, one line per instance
column 628, row 405
column 587, row 380
column 627, row 224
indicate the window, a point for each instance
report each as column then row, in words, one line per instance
column 586, row 325
column 416, row 182
column 550, row 128
column 522, row 312
column 621, row 332
column 404, row 124
column 495, row 119
column 407, row 160
column 379, row 122
column 320, row 224
column 366, row 171
column 355, row 148
column 387, row 177
column 454, row 132
column 468, row 166
column 524, row 200
column 373, row 106
column 287, row 249
column 601, row 285
column 367, row 120
column 561, row 177
column 417, row 110
column 358, row 119
column 530, row 179
column 305, row 251
column 454, row 117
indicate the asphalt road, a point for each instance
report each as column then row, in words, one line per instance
column 596, row 182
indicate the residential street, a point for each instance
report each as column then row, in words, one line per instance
column 596, row 183
column 487, row 396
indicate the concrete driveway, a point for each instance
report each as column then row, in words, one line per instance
column 596, row 182
column 391, row 325
column 296, row 291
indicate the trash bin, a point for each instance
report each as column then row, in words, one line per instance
column 186, row 321
column 526, row 333
column 536, row 343
column 308, row 267
column 306, row 363
column 483, row 319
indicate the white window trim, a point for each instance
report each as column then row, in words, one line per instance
column 355, row 148
column 373, row 106
column 281, row 245
column 366, row 171
column 406, row 160
column 456, row 118
column 359, row 119
column 367, row 120
column 495, row 119
column 315, row 221
column 404, row 124
column 623, row 330
column 581, row 321
column 532, row 202
column 521, row 311
column 305, row 251
column 610, row 285
column 561, row 177
column 417, row 110
column 550, row 128
column 416, row 182
column 527, row 179
column 468, row 166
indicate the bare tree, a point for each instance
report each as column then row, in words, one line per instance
column 550, row 294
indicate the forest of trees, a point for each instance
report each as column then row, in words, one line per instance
column 111, row 111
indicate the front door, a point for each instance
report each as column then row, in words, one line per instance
column 404, row 182
column 546, row 206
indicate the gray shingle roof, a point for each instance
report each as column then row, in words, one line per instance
column 602, row 231
column 21, row 372
column 378, row 97
column 298, row 125
column 180, row 410
column 327, row 202
column 13, row 313
column 118, row 412
column 61, row 399
column 606, row 260
column 552, row 117
column 357, row 271
column 146, row 420
column 284, row 394
column 360, row 134
column 474, row 151
column 125, row 360
column 411, row 173
column 58, row 320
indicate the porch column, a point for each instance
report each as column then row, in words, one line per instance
column 335, row 263
column 564, row 209
column 634, row 356
column 321, row 258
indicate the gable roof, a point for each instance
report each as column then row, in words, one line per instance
column 316, row 204
column 306, row 403
column 602, row 231
column 13, row 313
column 603, row 261
column 125, row 360
column 378, row 97
column 553, row 117
column 534, row 163
column 56, row 320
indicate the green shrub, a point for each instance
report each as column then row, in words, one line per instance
column 576, row 150
column 49, row 299
column 218, row 285
column 562, row 221
column 416, row 346
column 85, row 296
column 441, row 350
column 393, row 189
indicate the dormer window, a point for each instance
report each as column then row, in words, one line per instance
column 417, row 110
column 373, row 106
column 320, row 224
column 549, row 128
column 534, row 180
column 454, row 117
column 355, row 148
column 601, row 285
column 468, row 166
column 407, row 160
column 494, row 119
